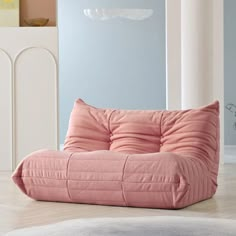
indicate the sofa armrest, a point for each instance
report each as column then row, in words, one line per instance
column 42, row 175
column 178, row 180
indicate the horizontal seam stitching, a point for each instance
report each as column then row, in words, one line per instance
column 92, row 201
column 49, row 158
column 79, row 180
column 102, row 172
column 189, row 121
column 156, row 191
column 44, row 169
column 110, row 190
column 97, row 190
column 109, row 172
column 96, row 160
column 85, row 159
column 81, row 171
column 86, row 190
column 45, row 186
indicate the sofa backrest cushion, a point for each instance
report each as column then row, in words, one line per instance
column 128, row 131
column 192, row 132
column 88, row 128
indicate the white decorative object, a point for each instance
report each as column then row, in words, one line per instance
column 28, row 92
column 107, row 14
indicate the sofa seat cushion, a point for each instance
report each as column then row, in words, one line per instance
column 159, row 180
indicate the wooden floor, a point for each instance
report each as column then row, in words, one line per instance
column 17, row 210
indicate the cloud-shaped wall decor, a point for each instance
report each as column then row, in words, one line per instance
column 107, row 14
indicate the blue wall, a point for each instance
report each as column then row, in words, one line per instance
column 117, row 63
column 230, row 71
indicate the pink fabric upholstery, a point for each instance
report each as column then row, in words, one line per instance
column 160, row 159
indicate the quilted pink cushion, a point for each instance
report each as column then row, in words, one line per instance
column 93, row 129
column 161, row 159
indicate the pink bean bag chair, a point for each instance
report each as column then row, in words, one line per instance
column 157, row 159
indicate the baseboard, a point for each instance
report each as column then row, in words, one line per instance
column 230, row 154
column 230, row 146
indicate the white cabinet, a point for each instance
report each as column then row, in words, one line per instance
column 28, row 92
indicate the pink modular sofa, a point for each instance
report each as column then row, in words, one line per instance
column 157, row 159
